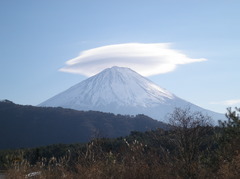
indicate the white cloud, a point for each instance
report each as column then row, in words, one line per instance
column 146, row 59
column 228, row 102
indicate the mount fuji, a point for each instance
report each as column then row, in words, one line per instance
column 121, row 90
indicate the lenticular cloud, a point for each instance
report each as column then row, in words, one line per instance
column 146, row 59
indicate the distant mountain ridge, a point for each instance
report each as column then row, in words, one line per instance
column 120, row 90
column 28, row 126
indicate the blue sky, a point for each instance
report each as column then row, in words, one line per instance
column 37, row 38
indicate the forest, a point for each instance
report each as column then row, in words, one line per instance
column 190, row 148
column 25, row 126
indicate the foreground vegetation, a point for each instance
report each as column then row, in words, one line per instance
column 192, row 148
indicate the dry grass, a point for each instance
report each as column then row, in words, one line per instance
column 135, row 161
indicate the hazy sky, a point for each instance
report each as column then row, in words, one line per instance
column 41, row 41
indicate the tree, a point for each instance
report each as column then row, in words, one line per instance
column 230, row 138
column 229, row 145
column 232, row 125
column 190, row 131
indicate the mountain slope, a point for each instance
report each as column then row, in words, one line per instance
column 29, row 126
column 121, row 91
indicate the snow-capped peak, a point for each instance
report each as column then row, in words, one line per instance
column 119, row 90
column 119, row 85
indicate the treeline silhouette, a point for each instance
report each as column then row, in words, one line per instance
column 28, row 126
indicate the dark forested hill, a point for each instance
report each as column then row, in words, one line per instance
column 29, row 126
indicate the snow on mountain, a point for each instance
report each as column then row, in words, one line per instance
column 121, row 90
